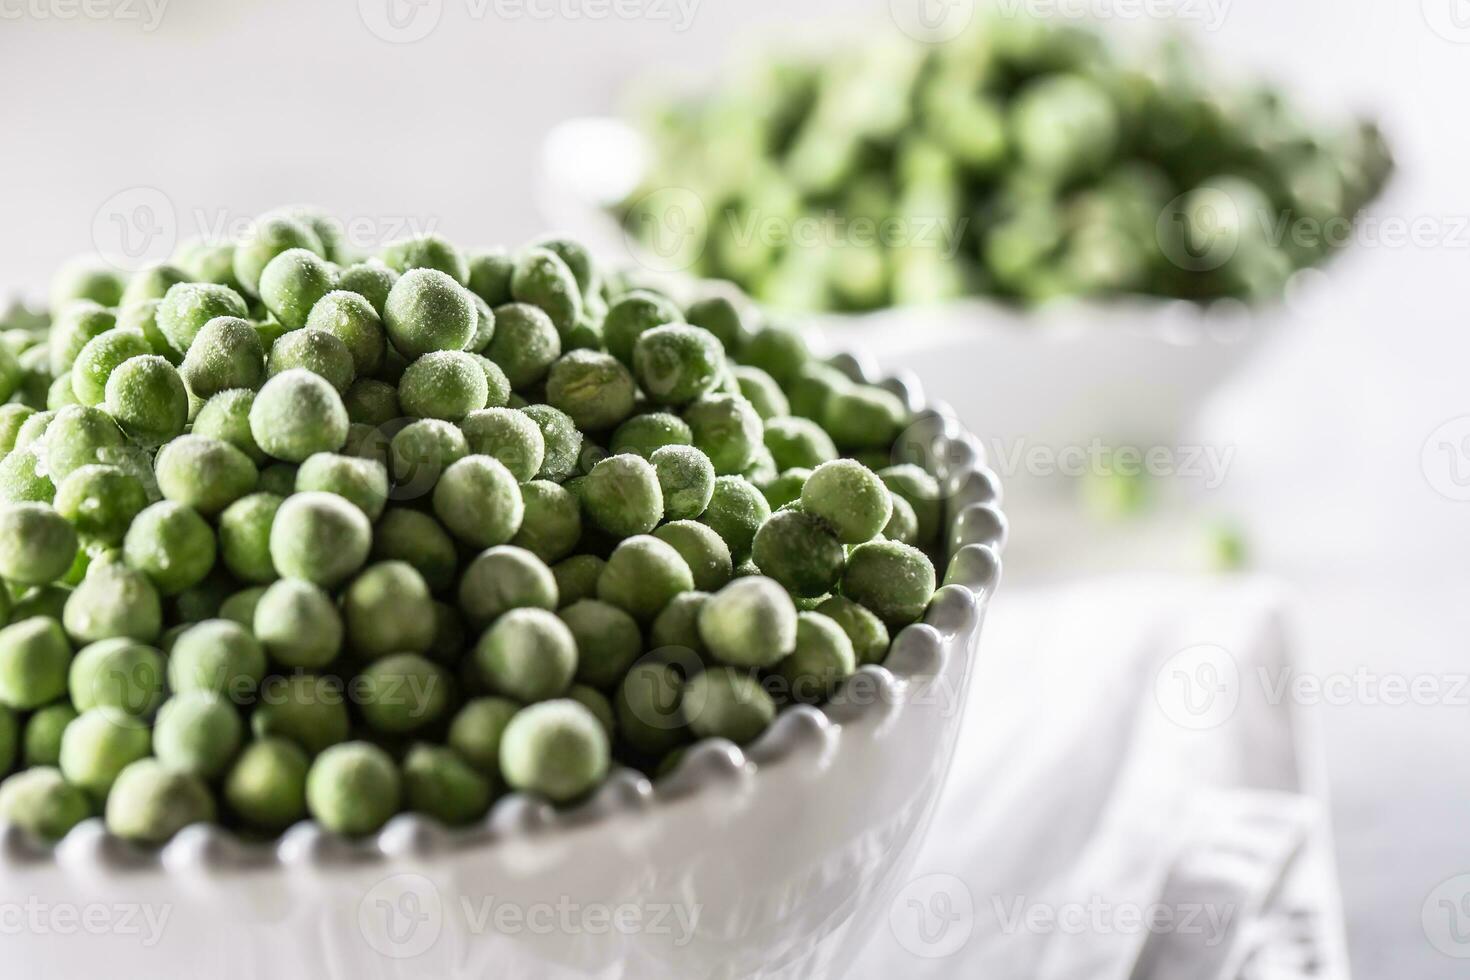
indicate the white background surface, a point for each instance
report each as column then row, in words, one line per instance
column 240, row 106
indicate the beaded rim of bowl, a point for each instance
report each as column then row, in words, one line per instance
column 976, row 532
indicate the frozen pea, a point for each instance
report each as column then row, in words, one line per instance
column 576, row 258
column 269, row 331
column 622, row 496
column 114, row 600
column 786, row 487
column 361, row 482
column 674, row 635
column 147, row 397
column 484, row 326
column 811, row 389
column 297, row 413
column 394, row 364
column 86, row 277
column 923, row 494
column 525, row 344
column 476, row 730
column 479, row 501
column 388, row 609
column 749, row 623
column 79, row 435
column 206, row 261
column 686, row 479
column 591, row 387
column 557, row 749
column 597, row 703
column 23, row 477
column 43, row 802
column 866, row 632
column 37, row 545
column 121, row 674
column 822, row 660
column 205, row 474
column 489, row 275
column 226, row 354
column 226, row 417
column 608, row 641
column 99, row 745
column 797, row 442
column 778, row 351
column 903, row 524
column 761, row 390
column 647, row 706
column 416, row 538
column 43, row 731
column 319, row 537
column 239, row 607
column 497, row 385
column 353, row 788
column 143, row 317
column 316, row 351
column 799, row 550
column 510, row 436
column 197, row 732
column 100, row 357
column 152, row 282
column 32, row 431
column 202, row 601
column 504, row 578
column 293, row 282
column 439, row 783
column 370, row 280
column 171, row 544
column 371, row 402
column 188, row 306
column 850, row 497
column 428, row 311
column 402, row 693
column 552, row 523
column 642, row 434
column 60, row 395
column 218, row 656
column 12, row 418
column 43, row 600
column 726, row 429
column 864, row 418
column 642, row 575
column 631, row 315
column 894, row 580
column 576, row 577
column 736, row 511
column 443, row 385
column 151, row 802
column 353, row 321
column 562, row 439
column 542, row 279
column 420, row 452
column 677, row 363
column 71, row 328
column 719, row 314
column 306, row 710
column 528, row 654
column 277, row 478
column 244, row 537
column 268, row 237
column 266, row 787
column 34, row 659
column 704, row 551
column 427, row 251
column 723, row 702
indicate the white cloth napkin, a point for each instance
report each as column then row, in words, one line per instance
column 1129, row 799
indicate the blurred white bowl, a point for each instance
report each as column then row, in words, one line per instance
column 775, row 861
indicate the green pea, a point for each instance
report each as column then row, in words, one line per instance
column 114, row 600
column 74, row 325
column 443, row 385
column 308, row 711
column 416, row 538
column 576, row 577
column 205, row 474
column 319, row 537
column 316, row 351
column 428, row 311
column 371, row 402
column 591, row 387
column 642, row 575
column 402, row 693
column 79, row 436
column 151, row 802
column 528, row 654
column 608, row 641
column 864, row 418
column 801, row 551
column 43, row 802
column 119, row 673
column 622, row 496
column 99, row 745
column 866, row 632
column 204, row 261
column 437, row 782
column 761, row 390
column 749, row 623
column 296, row 414
column 724, row 703
column 353, row 788
column 244, row 537
column 632, row 314
column 188, row 306
column 420, row 453
column 43, row 734
column 151, row 283
column 648, row 708
column 171, row 544
column 86, row 278
column 556, row 749
column 479, row 501
column 34, row 659
column 361, row 482
column 100, row 357
column 785, row 488
column 369, row 280
column 822, row 660
column 674, row 634
column 218, row 656
column 12, row 418
column 504, row 578
column 563, row 441
column 921, row 490
column 226, row 354
column 510, row 436
column 266, row 786
column 894, row 580
column 476, row 731
column 388, row 609
column 552, row 523
column 427, row 251
column 542, row 279
column 686, row 479
column 197, row 732
column 903, row 525
column 778, row 351
column 269, row 236
column 525, row 344
column 37, row 545
column 23, row 477
column 239, row 607
column 677, row 363
column 642, row 434
column 489, row 275
column 726, row 429
column 850, row 497
column 704, row 551
column 736, row 511
column 143, row 317
column 226, row 417
column 147, row 397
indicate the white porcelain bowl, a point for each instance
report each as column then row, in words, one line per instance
column 775, row 861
